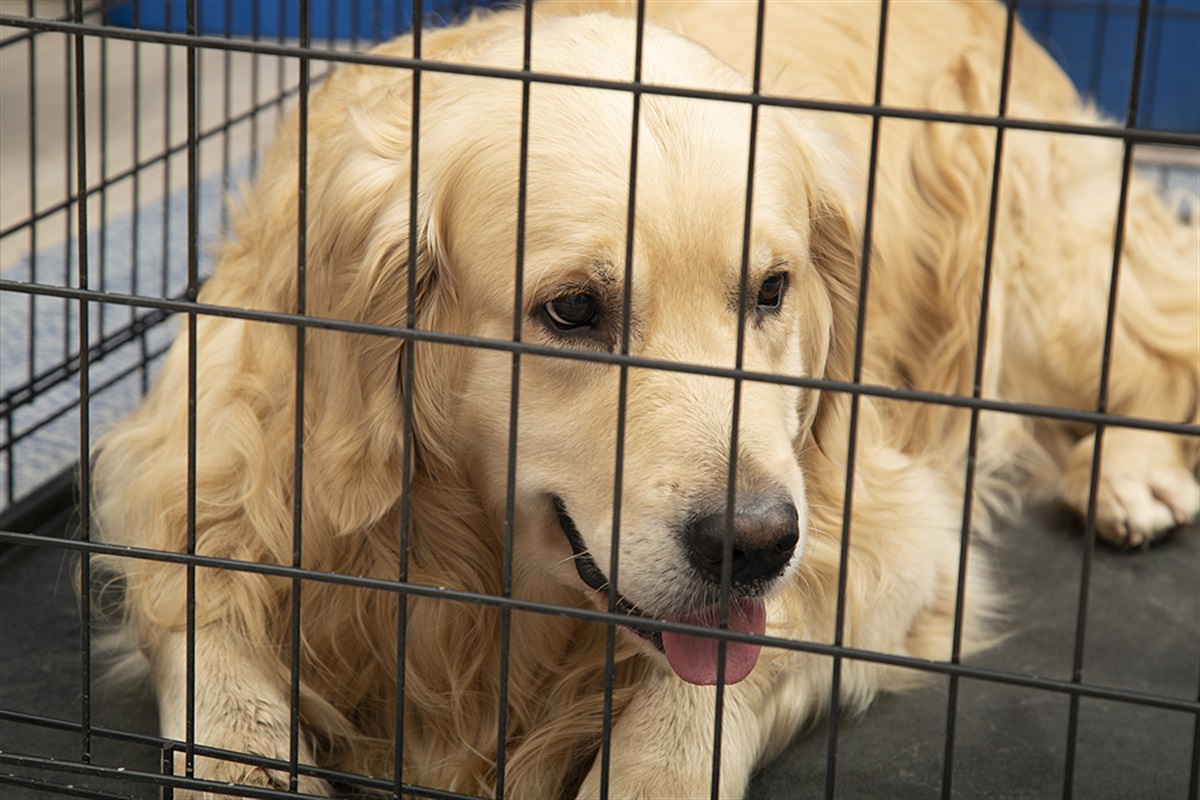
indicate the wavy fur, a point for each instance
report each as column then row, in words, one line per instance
column 1050, row 262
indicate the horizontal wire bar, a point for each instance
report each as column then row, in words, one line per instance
column 171, row 745
column 1137, row 135
column 157, row 742
column 8, row 41
column 590, row 615
column 69, row 790
column 95, row 389
column 111, row 342
column 162, row 157
column 867, row 389
column 112, row 734
column 139, row 776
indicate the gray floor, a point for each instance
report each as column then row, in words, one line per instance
column 1143, row 625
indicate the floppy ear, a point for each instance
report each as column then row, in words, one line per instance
column 836, row 248
column 835, row 245
column 359, row 243
column 357, row 235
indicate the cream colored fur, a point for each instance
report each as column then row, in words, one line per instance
column 1053, row 243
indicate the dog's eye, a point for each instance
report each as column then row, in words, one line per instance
column 770, row 294
column 571, row 312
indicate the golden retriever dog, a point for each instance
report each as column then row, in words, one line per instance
column 611, row 464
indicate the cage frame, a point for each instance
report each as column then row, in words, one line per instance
column 147, row 311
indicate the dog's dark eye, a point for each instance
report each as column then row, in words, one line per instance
column 571, row 312
column 770, row 294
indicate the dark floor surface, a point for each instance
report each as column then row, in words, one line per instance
column 1143, row 634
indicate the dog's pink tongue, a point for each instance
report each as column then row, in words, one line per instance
column 694, row 658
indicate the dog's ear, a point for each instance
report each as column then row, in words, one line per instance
column 358, row 268
column 836, row 250
column 835, row 244
column 371, row 262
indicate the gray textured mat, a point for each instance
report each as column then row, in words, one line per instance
column 1143, row 625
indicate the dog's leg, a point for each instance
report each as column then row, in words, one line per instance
column 662, row 744
column 1147, row 484
column 1056, row 329
column 1146, row 487
column 240, row 705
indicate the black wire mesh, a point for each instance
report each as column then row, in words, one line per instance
column 113, row 334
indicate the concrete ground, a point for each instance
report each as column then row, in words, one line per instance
column 1142, row 626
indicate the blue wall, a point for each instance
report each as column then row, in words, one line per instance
column 1094, row 42
column 342, row 19
column 1092, row 39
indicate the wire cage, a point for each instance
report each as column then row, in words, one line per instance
column 126, row 125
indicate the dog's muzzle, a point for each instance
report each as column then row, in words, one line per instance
column 764, row 538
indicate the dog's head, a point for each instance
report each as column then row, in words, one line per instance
column 635, row 459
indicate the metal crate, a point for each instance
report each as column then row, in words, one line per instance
column 159, row 110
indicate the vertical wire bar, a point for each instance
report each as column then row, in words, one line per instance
column 102, row 253
column 69, row 172
column 167, row 766
column 280, row 82
column 614, row 566
column 85, row 516
column 135, row 272
column 985, row 291
column 410, row 322
column 736, row 407
column 1131, row 122
column 168, row 112
column 10, row 433
column 10, row 475
column 193, row 290
column 1194, row 776
column 1149, row 100
column 331, row 21
column 255, row 67
column 510, row 500
column 835, row 683
column 31, row 370
column 1097, row 54
column 227, row 112
column 356, row 21
column 298, row 429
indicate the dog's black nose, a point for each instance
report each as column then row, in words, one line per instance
column 765, row 533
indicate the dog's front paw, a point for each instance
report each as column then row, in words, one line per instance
column 639, row 783
column 1133, row 511
column 264, row 733
column 662, row 744
column 234, row 774
column 1145, row 489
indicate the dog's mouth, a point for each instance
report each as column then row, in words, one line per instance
column 695, row 659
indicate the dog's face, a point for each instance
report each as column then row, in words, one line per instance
column 591, row 437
